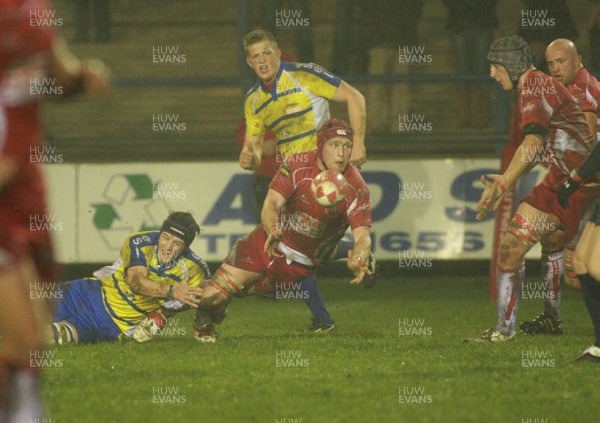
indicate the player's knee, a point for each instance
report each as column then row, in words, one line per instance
column 512, row 251
column 227, row 284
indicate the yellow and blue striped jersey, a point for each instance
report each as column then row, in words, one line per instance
column 294, row 106
column 127, row 308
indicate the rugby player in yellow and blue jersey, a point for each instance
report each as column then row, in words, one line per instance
column 292, row 100
column 156, row 275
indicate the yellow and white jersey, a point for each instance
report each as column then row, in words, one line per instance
column 292, row 107
column 125, row 307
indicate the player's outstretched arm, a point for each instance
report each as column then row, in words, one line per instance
column 138, row 281
column 358, row 258
column 274, row 202
column 357, row 113
column 251, row 154
column 149, row 327
column 495, row 186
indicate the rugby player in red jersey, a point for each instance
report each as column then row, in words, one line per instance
column 29, row 51
column 564, row 64
column 291, row 100
column 289, row 252
column 555, row 133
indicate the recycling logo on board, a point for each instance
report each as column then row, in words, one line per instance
column 129, row 207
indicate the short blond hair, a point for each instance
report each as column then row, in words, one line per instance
column 258, row 36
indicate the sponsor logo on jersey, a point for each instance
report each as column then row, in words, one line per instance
column 364, row 207
column 302, row 223
column 530, row 107
column 284, row 169
column 333, row 211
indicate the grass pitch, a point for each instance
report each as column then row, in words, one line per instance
column 398, row 356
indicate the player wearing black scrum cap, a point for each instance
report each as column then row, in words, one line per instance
column 555, row 134
column 155, row 275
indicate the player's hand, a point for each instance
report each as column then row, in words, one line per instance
column 493, row 190
column 566, row 189
column 358, row 267
column 248, row 159
column 275, row 235
column 359, row 155
column 189, row 295
column 96, row 77
column 149, row 327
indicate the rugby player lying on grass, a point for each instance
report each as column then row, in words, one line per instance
column 156, row 274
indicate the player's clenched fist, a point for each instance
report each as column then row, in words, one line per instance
column 248, row 158
column 494, row 188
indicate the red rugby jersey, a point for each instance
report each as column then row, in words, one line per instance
column 546, row 102
column 586, row 90
column 24, row 30
column 308, row 227
column 25, row 42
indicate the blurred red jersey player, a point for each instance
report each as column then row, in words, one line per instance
column 30, row 52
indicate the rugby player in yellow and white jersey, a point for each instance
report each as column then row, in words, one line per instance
column 292, row 100
column 155, row 276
